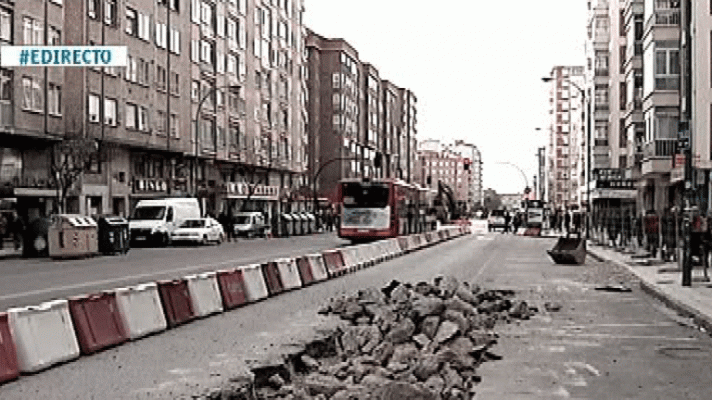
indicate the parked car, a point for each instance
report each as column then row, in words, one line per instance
column 154, row 220
column 199, row 230
column 250, row 224
column 496, row 220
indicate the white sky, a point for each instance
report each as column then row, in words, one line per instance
column 475, row 67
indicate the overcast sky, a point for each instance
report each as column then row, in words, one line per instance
column 475, row 67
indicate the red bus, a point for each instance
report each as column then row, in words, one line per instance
column 373, row 209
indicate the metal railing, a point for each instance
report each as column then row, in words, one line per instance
column 659, row 148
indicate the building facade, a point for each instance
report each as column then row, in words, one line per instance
column 354, row 115
column 211, row 104
column 567, row 138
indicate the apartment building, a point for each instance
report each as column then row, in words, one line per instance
column 354, row 115
column 567, row 137
column 457, row 165
column 211, row 103
column 660, row 185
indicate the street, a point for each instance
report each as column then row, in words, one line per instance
column 31, row 281
column 599, row 345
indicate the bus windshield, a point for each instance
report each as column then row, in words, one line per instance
column 149, row 212
column 359, row 195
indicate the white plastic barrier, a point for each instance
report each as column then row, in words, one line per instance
column 289, row 272
column 44, row 335
column 382, row 250
column 141, row 310
column 412, row 243
column 318, row 267
column 204, row 293
column 362, row 255
column 254, row 282
column 394, row 247
column 375, row 253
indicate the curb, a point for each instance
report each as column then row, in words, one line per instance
column 700, row 318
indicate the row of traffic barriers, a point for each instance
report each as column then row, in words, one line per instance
column 35, row 338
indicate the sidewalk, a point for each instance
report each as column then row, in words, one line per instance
column 664, row 281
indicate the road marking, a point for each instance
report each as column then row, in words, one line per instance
column 622, row 337
column 108, row 281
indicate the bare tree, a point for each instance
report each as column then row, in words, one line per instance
column 70, row 158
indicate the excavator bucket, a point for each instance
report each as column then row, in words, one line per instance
column 569, row 251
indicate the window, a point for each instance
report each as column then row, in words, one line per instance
column 32, row 94
column 142, row 120
column 32, row 32
column 131, row 116
column 131, row 22
column 174, row 125
column 175, row 41
column 5, row 85
column 5, row 25
column 131, row 69
column 94, row 104
column 161, row 77
column 195, row 11
column 601, row 133
column 161, row 33
column 206, row 52
column 175, row 4
column 110, row 12
column 231, row 30
column 144, row 27
column 667, row 69
column 55, row 99
column 622, row 134
column 195, row 91
column 55, row 36
column 110, row 112
column 175, row 83
column 93, row 8
column 143, row 71
column 160, row 121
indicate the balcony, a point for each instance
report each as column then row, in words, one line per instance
column 657, row 156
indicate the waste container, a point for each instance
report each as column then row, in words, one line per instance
column 298, row 223
column 311, row 223
column 287, row 225
column 304, row 223
column 569, row 251
column 72, row 235
column 113, row 235
column 35, row 238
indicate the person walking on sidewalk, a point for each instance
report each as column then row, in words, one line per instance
column 567, row 221
column 16, row 229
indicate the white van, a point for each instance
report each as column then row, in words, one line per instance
column 250, row 224
column 153, row 221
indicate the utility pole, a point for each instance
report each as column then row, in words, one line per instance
column 684, row 142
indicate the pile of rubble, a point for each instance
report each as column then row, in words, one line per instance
column 401, row 342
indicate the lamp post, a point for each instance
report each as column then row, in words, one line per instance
column 588, row 150
column 197, row 129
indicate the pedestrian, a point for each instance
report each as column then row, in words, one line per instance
column 516, row 222
column 224, row 220
column 329, row 220
column 554, row 220
column 507, row 221
column 3, row 230
column 567, row 222
column 16, row 228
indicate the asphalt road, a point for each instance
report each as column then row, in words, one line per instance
column 31, row 281
column 600, row 345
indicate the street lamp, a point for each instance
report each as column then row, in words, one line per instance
column 588, row 149
column 197, row 128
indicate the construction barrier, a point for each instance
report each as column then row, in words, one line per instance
column 430, row 237
column 352, row 260
column 141, row 310
column 404, row 244
column 97, row 322
column 394, row 246
column 177, row 304
column 204, row 294
column 376, row 252
column 9, row 369
column 312, row 268
column 270, row 271
column 255, row 283
column 232, row 288
column 289, row 272
column 44, row 335
column 413, row 243
column 382, row 250
column 479, row 227
column 334, row 261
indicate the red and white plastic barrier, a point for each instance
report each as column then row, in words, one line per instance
column 255, row 283
column 9, row 369
column 270, row 271
column 232, row 288
column 204, row 294
column 314, row 264
column 141, row 310
column 44, row 335
column 404, row 244
column 176, row 301
column 289, row 272
column 334, row 261
column 97, row 322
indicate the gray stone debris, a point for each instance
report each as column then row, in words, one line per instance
column 422, row 341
